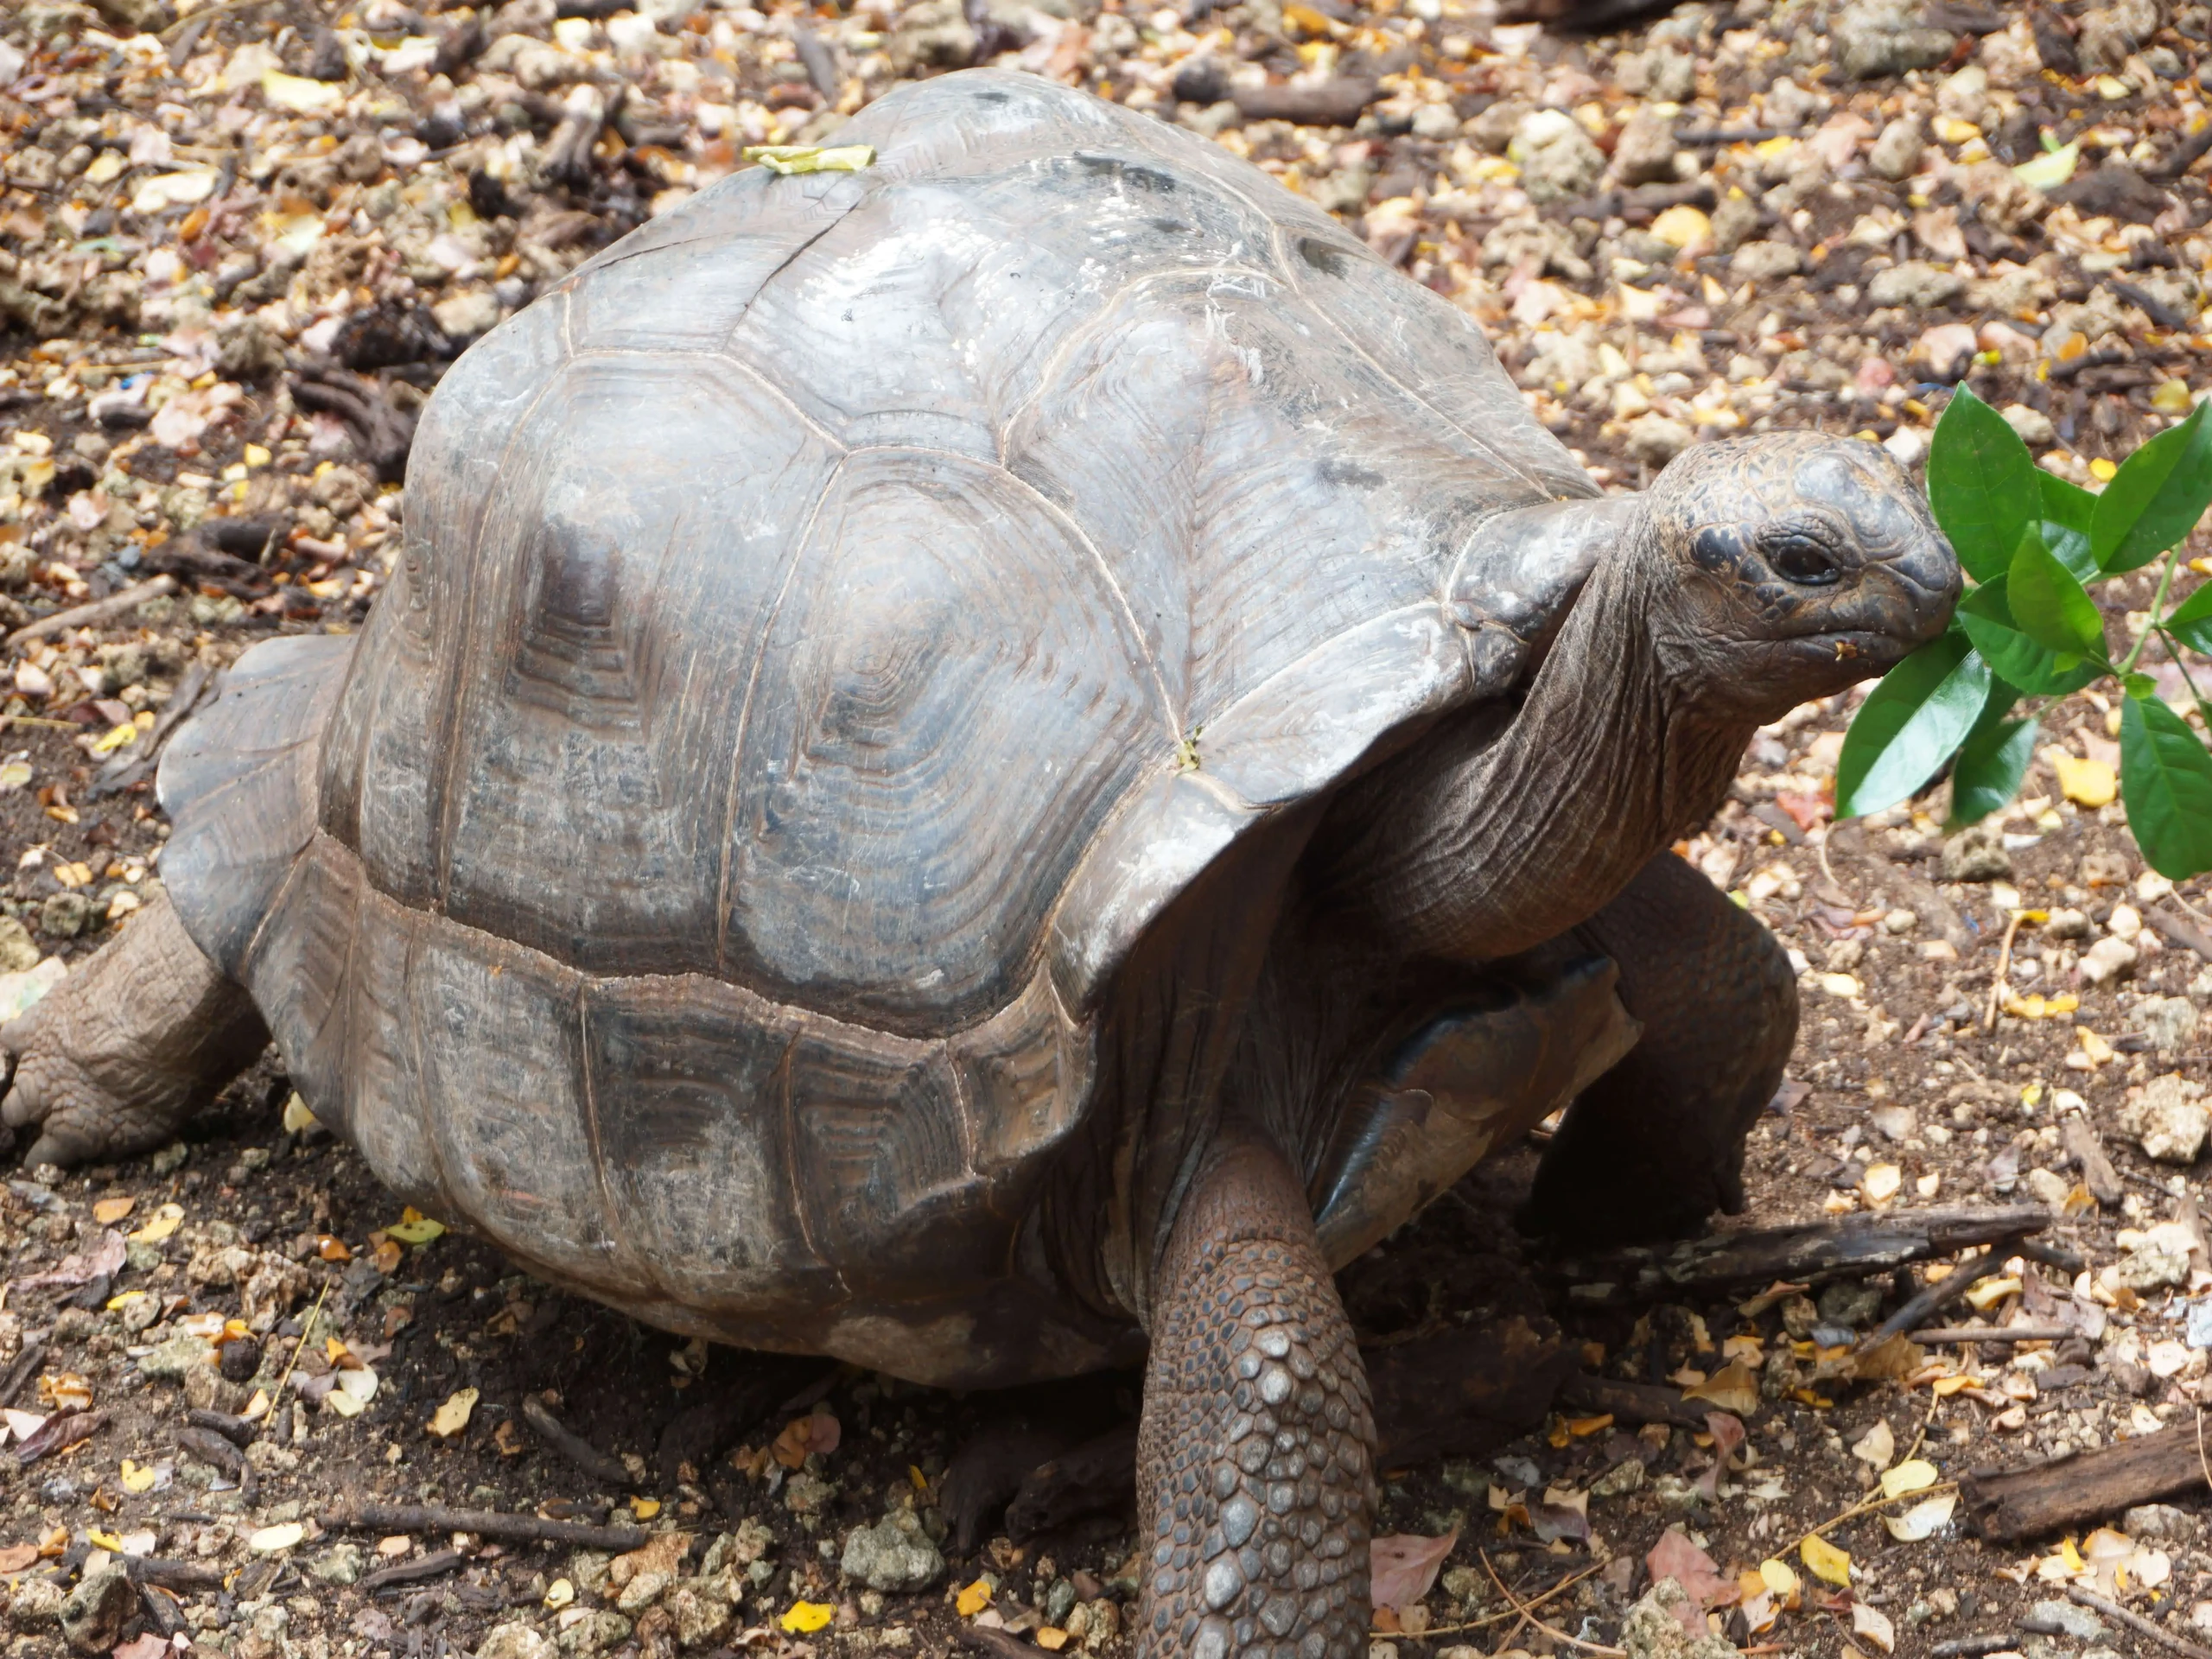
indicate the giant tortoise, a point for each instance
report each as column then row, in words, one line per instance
column 993, row 764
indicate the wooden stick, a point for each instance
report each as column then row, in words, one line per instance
column 1812, row 1253
column 1937, row 1296
column 2031, row 1499
column 98, row 610
column 1972, row 1647
column 427, row 1567
column 1996, row 986
column 1632, row 1403
column 572, row 1445
column 487, row 1523
column 2136, row 1621
column 1554, row 1632
column 1993, row 1333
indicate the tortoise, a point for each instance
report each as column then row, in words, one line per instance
column 991, row 765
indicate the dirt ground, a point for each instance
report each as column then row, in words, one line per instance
column 213, row 385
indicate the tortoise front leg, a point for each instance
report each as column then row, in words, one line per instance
column 116, row 1057
column 1657, row 1144
column 1255, row 1484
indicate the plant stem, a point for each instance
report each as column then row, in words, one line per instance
column 2157, row 609
column 2173, row 651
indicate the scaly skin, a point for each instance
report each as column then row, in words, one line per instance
column 1657, row 1144
column 1254, row 1475
column 134, row 1041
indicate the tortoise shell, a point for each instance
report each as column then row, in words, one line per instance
column 832, row 626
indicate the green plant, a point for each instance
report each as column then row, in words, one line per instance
column 2026, row 630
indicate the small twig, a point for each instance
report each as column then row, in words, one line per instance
column 486, row 1524
column 427, row 1567
column 1991, row 1333
column 1874, row 1504
column 1941, row 1294
column 236, row 1430
column 1555, row 1634
column 1972, row 1647
column 1558, row 1589
column 307, row 1331
column 98, row 610
column 1997, row 987
column 572, row 1445
column 21, row 1372
column 2136, row 1621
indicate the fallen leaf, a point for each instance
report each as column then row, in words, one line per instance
column 453, row 1416
column 1405, row 1566
column 819, row 1431
column 1733, row 1389
column 811, row 158
column 103, row 1260
column 1675, row 1557
column 1563, row 1513
column 1916, row 1475
column 148, row 1646
column 1727, row 1431
column 137, row 1478
column 298, row 92
column 1052, row 1638
column 17, row 1558
column 972, row 1600
column 1780, row 1580
column 559, row 1593
column 269, row 1539
column 1825, row 1561
column 804, row 1617
column 2086, row 783
column 645, row 1509
column 163, row 1222
column 1876, row 1447
column 1881, row 1182
column 1874, row 1624
column 1896, row 1357
column 59, row 1432
column 414, row 1228
column 108, row 1212
column 297, row 1118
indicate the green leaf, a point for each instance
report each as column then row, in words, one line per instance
column 2068, row 512
column 2191, row 621
column 1986, row 615
column 1981, row 482
column 2165, row 777
column 2155, row 497
column 2138, row 685
column 2066, row 503
column 2050, row 605
column 1991, row 764
column 1910, row 725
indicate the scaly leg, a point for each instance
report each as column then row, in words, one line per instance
column 1657, row 1144
column 112, row 1059
column 1255, row 1484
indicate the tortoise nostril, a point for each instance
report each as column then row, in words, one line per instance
column 1802, row 560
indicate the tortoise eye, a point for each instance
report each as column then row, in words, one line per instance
column 1802, row 560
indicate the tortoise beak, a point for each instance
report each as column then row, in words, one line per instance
column 1901, row 603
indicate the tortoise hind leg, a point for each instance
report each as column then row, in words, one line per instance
column 116, row 1057
column 1253, row 1479
column 1657, row 1144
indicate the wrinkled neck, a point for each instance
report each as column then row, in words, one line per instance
column 1492, row 841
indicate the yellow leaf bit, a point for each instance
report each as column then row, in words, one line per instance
column 413, row 1227
column 804, row 1617
column 973, row 1599
column 1826, row 1562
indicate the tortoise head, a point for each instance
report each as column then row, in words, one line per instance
column 1790, row 566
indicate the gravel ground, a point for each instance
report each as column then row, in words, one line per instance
column 239, row 243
